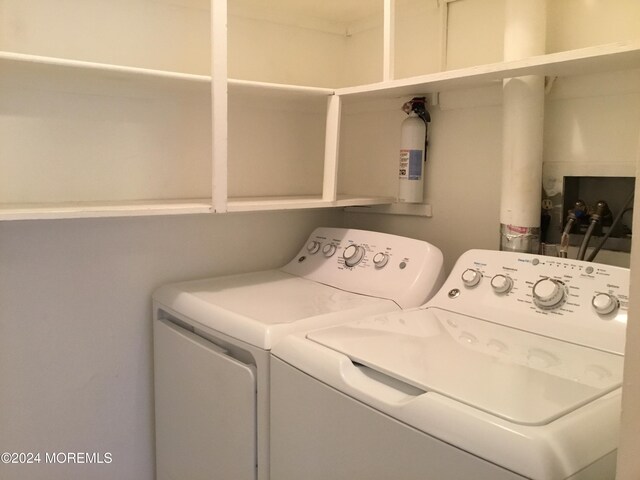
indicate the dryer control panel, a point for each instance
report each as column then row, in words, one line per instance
column 404, row 270
column 576, row 301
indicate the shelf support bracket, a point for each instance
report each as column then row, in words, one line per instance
column 331, row 149
column 389, row 40
column 219, row 106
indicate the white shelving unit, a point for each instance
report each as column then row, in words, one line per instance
column 373, row 111
column 276, row 90
column 598, row 59
column 283, row 115
column 105, row 110
column 77, row 74
column 56, row 80
column 149, row 135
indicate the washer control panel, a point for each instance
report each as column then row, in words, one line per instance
column 404, row 270
column 576, row 301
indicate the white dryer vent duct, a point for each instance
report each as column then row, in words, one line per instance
column 523, row 117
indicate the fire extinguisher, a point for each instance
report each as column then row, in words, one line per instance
column 413, row 151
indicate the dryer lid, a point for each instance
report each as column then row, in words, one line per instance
column 519, row 376
column 261, row 307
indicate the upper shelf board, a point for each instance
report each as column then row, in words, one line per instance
column 79, row 75
column 54, row 73
column 602, row 58
column 276, row 90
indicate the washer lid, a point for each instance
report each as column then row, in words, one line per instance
column 519, row 376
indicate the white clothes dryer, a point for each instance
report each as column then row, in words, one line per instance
column 511, row 371
column 212, row 339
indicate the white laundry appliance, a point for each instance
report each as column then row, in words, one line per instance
column 212, row 339
column 511, row 371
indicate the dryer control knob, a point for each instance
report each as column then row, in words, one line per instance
column 380, row 259
column 328, row 250
column 313, row 247
column 548, row 293
column 353, row 255
column 501, row 283
column 471, row 277
column 604, row 303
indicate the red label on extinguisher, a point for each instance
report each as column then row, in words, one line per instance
column 410, row 164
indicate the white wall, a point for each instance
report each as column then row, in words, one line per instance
column 462, row 175
column 158, row 34
column 75, row 325
column 417, row 38
column 293, row 43
column 317, row 53
column 591, row 124
column 289, row 153
column 98, row 137
column 628, row 458
column 75, row 333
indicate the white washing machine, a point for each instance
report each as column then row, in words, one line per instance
column 512, row 371
column 212, row 339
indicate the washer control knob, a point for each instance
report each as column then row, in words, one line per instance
column 604, row 303
column 313, row 246
column 548, row 293
column 328, row 250
column 501, row 283
column 353, row 255
column 471, row 277
column 380, row 259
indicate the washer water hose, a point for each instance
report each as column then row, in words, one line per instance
column 579, row 211
column 601, row 210
column 564, row 239
column 625, row 208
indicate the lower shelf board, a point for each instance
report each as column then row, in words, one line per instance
column 411, row 209
column 50, row 211
column 139, row 208
column 253, row 204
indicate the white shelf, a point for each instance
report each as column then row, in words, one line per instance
column 354, row 200
column 276, row 90
column 408, row 209
column 251, row 204
column 103, row 209
column 287, row 120
column 602, row 58
column 80, row 75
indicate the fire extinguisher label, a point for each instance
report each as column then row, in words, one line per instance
column 411, row 164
